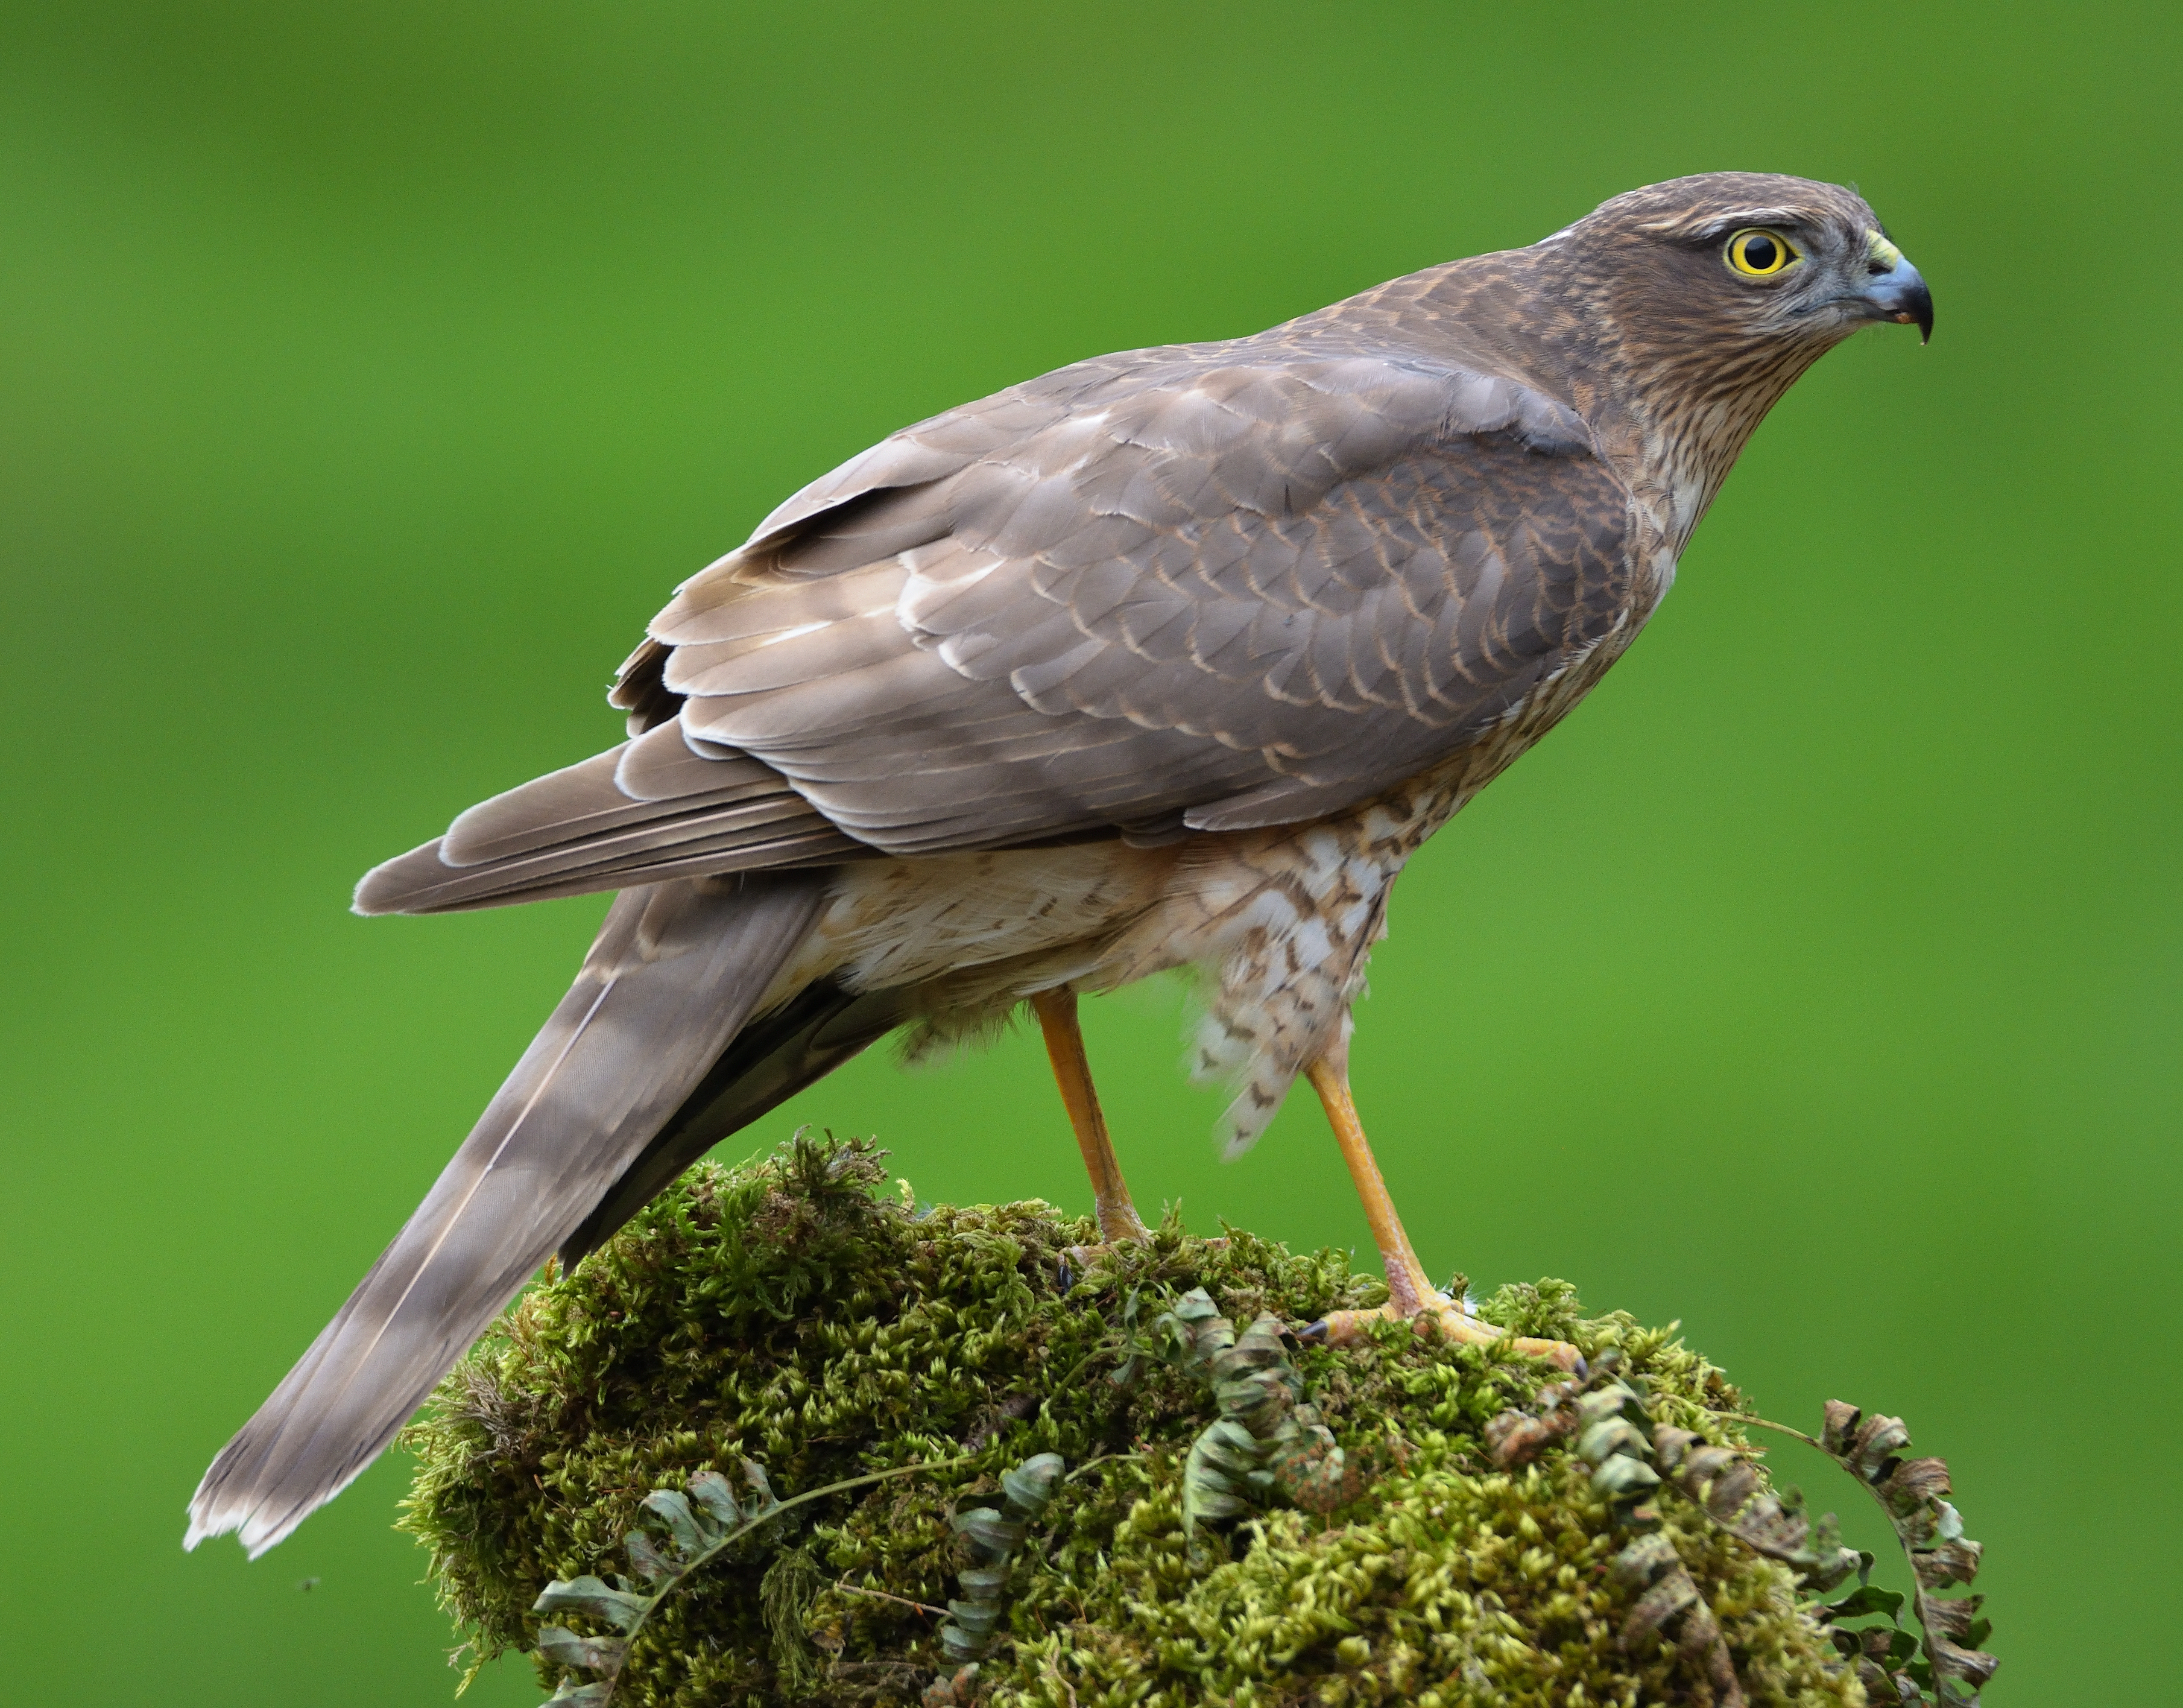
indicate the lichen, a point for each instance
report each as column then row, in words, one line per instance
column 793, row 1313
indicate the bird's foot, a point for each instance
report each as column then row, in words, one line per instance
column 1449, row 1318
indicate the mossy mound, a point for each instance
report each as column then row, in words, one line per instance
column 792, row 1313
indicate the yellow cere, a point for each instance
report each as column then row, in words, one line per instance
column 1883, row 253
column 1761, row 254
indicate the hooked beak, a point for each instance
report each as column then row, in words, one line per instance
column 1899, row 294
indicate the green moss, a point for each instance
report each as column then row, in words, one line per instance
column 791, row 1312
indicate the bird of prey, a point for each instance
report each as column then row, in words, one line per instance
column 1166, row 660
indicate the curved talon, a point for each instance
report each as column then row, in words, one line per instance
column 1557, row 1353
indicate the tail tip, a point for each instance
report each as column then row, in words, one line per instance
column 400, row 885
column 257, row 1534
column 205, row 1523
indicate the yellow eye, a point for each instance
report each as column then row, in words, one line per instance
column 1759, row 254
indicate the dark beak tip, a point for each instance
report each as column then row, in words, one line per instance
column 1905, row 301
column 1917, row 312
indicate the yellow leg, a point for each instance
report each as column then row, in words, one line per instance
column 1408, row 1291
column 1072, row 1073
column 1410, row 1296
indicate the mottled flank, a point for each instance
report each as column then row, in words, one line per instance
column 794, row 1312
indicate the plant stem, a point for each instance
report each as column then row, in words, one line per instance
column 843, row 1583
column 1779, row 1428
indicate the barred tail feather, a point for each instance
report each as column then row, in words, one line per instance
column 673, row 975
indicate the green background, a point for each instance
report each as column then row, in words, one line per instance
column 368, row 374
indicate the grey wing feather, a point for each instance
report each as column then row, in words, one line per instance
column 642, row 812
column 1211, row 586
column 671, row 979
column 1204, row 587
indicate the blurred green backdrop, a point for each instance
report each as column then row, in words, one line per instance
column 372, row 372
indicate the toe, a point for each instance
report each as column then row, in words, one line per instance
column 1342, row 1328
column 1451, row 1321
column 1559, row 1353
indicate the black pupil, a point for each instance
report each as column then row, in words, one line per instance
column 1760, row 253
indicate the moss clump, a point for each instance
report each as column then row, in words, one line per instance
column 791, row 1312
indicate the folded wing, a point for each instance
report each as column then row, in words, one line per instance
column 1199, row 588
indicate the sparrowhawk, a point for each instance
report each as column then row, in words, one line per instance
column 1166, row 660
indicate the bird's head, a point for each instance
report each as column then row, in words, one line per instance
column 1745, row 257
column 1696, row 303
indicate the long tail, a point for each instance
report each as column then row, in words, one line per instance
column 665, row 989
